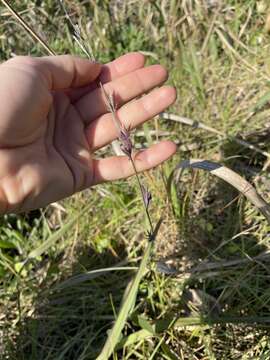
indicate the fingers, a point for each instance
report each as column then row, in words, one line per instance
column 113, row 70
column 65, row 71
column 121, row 66
column 125, row 88
column 75, row 94
column 103, row 130
column 120, row 167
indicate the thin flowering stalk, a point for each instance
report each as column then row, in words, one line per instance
column 127, row 147
column 123, row 132
column 77, row 36
column 112, row 108
column 143, row 198
column 147, row 197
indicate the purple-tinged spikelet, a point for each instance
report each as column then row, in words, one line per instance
column 123, row 133
column 126, row 143
column 147, row 196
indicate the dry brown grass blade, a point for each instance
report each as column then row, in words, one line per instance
column 228, row 46
column 199, row 125
column 232, row 178
column 30, row 31
column 219, row 265
column 211, row 28
column 231, row 49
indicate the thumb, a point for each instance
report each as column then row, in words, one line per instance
column 66, row 71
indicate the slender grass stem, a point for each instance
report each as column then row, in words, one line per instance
column 141, row 189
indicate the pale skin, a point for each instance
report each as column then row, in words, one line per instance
column 54, row 117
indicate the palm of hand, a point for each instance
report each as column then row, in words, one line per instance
column 50, row 125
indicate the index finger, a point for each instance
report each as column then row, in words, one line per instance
column 121, row 66
column 112, row 70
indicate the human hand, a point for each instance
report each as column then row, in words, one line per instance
column 54, row 117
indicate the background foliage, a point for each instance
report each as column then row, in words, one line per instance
column 214, row 301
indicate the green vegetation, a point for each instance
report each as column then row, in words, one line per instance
column 206, row 292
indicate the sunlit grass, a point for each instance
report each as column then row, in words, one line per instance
column 213, row 303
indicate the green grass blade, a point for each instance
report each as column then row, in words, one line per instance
column 89, row 275
column 57, row 235
column 264, row 100
column 134, row 338
column 115, row 333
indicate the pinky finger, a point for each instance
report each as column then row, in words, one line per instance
column 120, row 167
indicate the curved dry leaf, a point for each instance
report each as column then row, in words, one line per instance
column 232, row 178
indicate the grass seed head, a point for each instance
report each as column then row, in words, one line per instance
column 147, row 196
column 126, row 143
